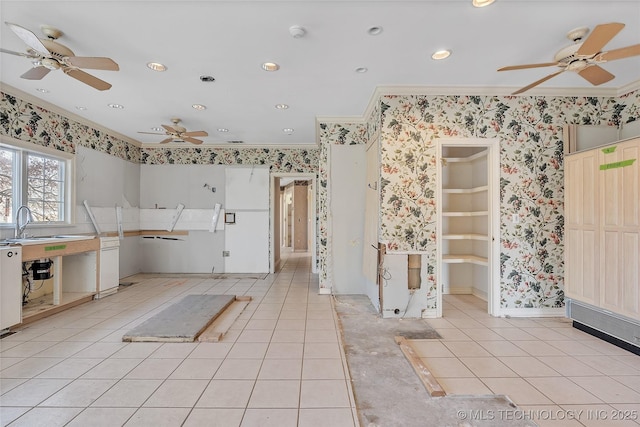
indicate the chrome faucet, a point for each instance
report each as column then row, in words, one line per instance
column 19, row 232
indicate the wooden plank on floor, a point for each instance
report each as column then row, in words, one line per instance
column 183, row 321
column 432, row 385
column 218, row 329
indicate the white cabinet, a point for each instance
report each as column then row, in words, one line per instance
column 465, row 220
column 10, row 286
column 109, row 279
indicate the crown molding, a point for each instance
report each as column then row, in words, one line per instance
column 226, row 145
column 631, row 87
column 495, row 91
column 68, row 114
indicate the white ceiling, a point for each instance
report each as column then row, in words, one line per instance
column 231, row 39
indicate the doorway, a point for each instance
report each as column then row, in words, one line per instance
column 468, row 260
column 293, row 219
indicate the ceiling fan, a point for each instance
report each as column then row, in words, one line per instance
column 584, row 56
column 47, row 54
column 178, row 133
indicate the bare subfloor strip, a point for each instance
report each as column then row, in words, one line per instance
column 387, row 390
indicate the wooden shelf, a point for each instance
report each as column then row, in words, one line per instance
column 468, row 236
column 463, row 213
column 465, row 190
column 460, row 259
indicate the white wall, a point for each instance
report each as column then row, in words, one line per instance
column 166, row 186
column 106, row 181
column 347, row 210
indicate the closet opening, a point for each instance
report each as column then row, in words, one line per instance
column 468, row 239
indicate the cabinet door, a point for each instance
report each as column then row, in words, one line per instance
column 582, row 237
column 10, row 287
column 619, row 177
column 109, row 271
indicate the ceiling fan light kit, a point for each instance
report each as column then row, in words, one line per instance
column 48, row 55
column 584, row 56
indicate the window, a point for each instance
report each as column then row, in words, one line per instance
column 36, row 179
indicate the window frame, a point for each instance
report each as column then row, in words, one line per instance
column 19, row 192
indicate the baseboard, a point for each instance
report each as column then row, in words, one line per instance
column 531, row 312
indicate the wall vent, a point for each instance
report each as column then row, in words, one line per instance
column 607, row 322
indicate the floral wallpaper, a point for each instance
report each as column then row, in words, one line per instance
column 531, row 177
column 280, row 159
column 27, row 122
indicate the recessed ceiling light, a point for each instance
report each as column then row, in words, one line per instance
column 362, row 70
column 270, row 66
column 199, row 107
column 158, row 129
column 441, row 54
column 81, row 108
column 42, row 90
column 282, row 106
column 482, row 3
column 117, row 106
column 374, row 31
column 223, row 130
column 156, row 66
column 288, row 131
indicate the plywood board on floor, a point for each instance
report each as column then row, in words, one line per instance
column 182, row 321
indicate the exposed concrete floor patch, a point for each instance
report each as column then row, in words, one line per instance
column 387, row 390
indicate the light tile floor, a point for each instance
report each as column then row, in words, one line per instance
column 556, row 374
column 281, row 364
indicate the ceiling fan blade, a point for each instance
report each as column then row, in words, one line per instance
column 26, row 55
column 36, row 73
column 191, row 140
column 623, row 52
column 30, row 39
column 170, row 129
column 152, row 133
column 536, row 83
column 195, row 133
column 522, row 67
column 164, row 141
column 596, row 75
column 87, row 78
column 599, row 37
column 93, row 63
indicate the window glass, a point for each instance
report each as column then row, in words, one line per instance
column 35, row 180
column 7, row 166
column 45, row 180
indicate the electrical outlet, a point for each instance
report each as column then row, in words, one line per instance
column 515, row 218
column 226, row 253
